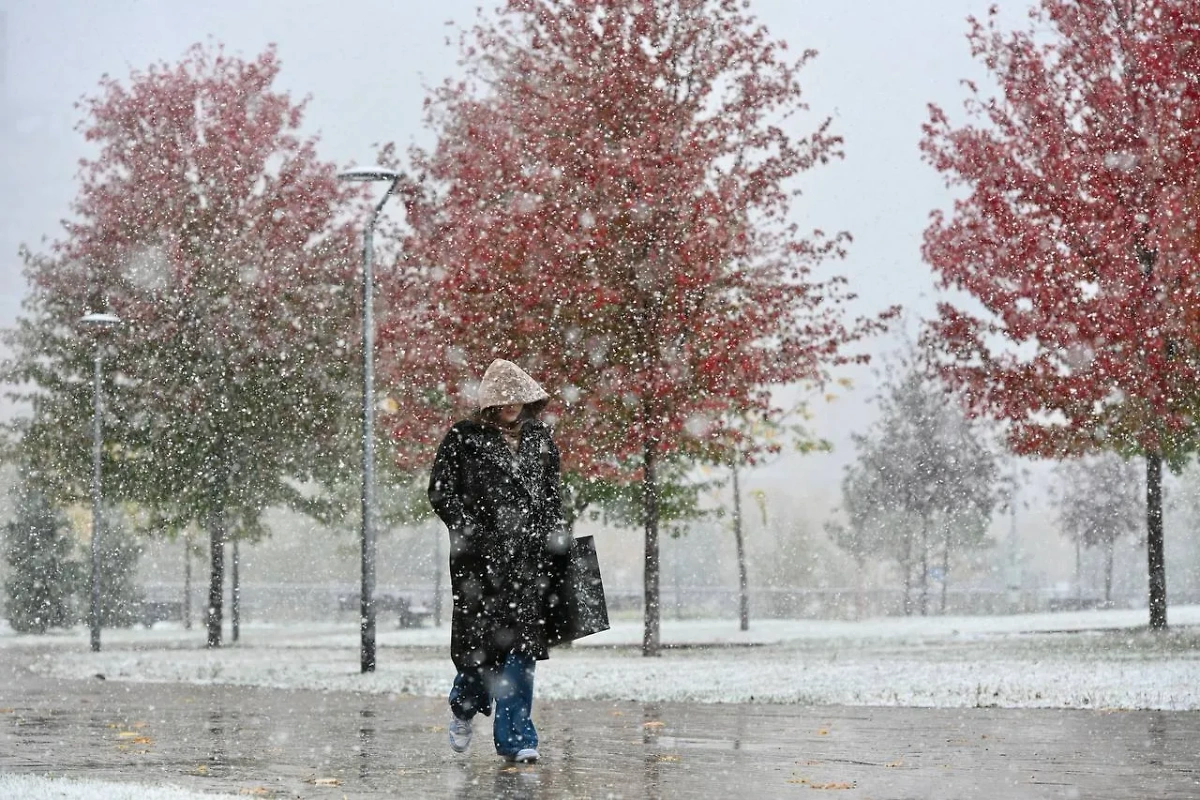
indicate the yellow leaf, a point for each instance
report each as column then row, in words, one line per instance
column 127, row 734
column 824, row 786
column 202, row 769
column 667, row 757
column 654, row 724
column 324, row 781
column 257, row 791
column 823, row 732
column 894, row 764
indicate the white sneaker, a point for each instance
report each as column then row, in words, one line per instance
column 526, row 756
column 460, row 734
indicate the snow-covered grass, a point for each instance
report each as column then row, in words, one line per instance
column 1089, row 659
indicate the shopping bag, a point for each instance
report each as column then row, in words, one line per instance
column 578, row 607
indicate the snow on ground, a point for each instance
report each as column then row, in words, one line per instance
column 33, row 787
column 1090, row 659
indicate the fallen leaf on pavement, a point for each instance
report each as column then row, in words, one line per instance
column 824, row 786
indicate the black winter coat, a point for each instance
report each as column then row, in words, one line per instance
column 508, row 539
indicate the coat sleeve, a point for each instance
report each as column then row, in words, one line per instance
column 559, row 538
column 445, row 485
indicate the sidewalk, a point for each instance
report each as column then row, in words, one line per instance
column 310, row 744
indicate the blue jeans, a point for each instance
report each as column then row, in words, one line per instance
column 512, row 689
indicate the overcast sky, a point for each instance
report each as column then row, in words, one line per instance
column 367, row 63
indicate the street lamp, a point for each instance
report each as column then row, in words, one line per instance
column 367, row 612
column 97, row 322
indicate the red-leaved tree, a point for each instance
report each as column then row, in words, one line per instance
column 225, row 246
column 608, row 204
column 1076, row 237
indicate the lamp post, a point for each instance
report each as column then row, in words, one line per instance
column 367, row 607
column 97, row 322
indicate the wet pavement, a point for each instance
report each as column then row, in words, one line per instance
column 291, row 743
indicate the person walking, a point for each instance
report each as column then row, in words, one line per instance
column 495, row 484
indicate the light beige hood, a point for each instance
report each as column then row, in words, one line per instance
column 505, row 383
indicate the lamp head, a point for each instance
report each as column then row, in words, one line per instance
column 369, row 174
column 99, row 321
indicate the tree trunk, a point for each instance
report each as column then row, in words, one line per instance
column 860, row 581
column 743, row 582
column 216, row 579
column 1079, row 572
column 187, row 579
column 945, row 567
column 924, row 567
column 1108, row 568
column 235, row 593
column 907, row 567
column 1156, row 561
column 651, row 634
column 677, row 584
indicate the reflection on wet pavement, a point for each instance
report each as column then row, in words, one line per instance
column 280, row 743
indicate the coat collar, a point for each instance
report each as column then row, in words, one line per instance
column 494, row 449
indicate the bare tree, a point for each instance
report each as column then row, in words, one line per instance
column 924, row 483
column 1098, row 500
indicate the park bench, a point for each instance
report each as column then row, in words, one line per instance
column 152, row 611
column 406, row 613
